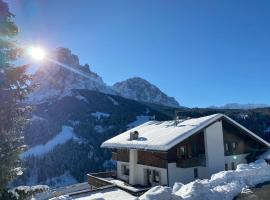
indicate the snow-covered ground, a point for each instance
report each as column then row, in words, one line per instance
column 61, row 138
column 81, row 98
column 61, row 181
column 265, row 155
column 109, row 194
column 98, row 115
column 139, row 120
column 113, row 101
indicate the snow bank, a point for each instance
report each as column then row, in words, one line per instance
column 28, row 191
column 224, row 185
column 61, row 138
column 158, row 193
column 105, row 194
column 265, row 155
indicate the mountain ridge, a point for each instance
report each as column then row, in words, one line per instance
column 139, row 89
column 241, row 106
column 64, row 72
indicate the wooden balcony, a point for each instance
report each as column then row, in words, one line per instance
column 121, row 155
column 192, row 162
column 98, row 180
column 154, row 159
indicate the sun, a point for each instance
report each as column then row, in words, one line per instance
column 37, row 53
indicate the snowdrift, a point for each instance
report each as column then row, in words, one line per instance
column 224, row 185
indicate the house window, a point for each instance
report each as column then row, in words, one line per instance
column 234, row 145
column 125, row 170
column 233, row 166
column 196, row 174
column 226, row 147
column 182, row 152
column 226, row 167
column 156, row 176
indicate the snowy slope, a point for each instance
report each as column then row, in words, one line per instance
column 65, row 135
column 141, row 90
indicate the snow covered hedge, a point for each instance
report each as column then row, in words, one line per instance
column 224, row 185
column 25, row 192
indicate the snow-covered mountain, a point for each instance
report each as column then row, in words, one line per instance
column 241, row 106
column 141, row 90
column 57, row 81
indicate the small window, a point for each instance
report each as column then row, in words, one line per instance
column 182, row 152
column 226, row 167
column 125, row 170
column 233, row 166
column 196, row 175
column 226, row 147
column 234, row 145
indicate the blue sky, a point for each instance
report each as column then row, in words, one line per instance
column 201, row 52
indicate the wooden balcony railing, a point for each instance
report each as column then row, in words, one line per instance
column 192, row 162
column 97, row 180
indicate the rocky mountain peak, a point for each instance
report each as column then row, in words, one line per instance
column 62, row 73
column 139, row 89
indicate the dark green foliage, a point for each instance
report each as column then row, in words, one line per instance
column 5, row 195
column 14, row 87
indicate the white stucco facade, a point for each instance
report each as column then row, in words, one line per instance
column 214, row 148
column 120, row 174
column 184, row 175
column 236, row 159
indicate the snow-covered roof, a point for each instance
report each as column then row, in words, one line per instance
column 163, row 135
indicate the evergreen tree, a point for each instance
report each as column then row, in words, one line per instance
column 14, row 87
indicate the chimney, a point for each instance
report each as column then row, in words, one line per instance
column 133, row 135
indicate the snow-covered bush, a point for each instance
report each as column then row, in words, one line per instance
column 26, row 192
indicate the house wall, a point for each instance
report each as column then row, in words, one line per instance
column 185, row 175
column 119, row 171
column 237, row 159
column 154, row 159
column 140, row 176
column 245, row 143
column 214, row 148
column 133, row 159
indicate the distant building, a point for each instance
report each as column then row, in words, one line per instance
column 162, row 153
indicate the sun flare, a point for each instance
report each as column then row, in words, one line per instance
column 37, row 53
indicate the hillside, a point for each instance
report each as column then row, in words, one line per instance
column 65, row 134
